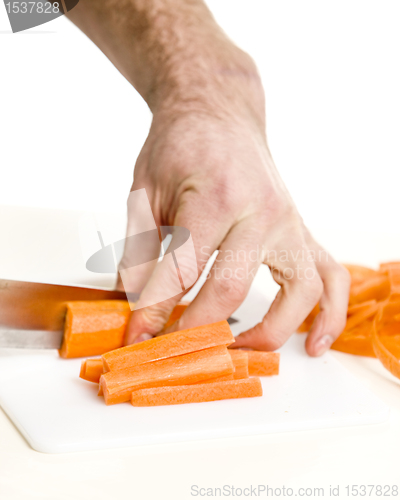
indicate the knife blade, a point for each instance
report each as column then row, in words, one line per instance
column 32, row 314
column 40, row 306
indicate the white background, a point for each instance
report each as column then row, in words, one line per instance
column 70, row 131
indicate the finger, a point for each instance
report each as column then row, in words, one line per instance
column 331, row 320
column 230, row 277
column 141, row 246
column 301, row 289
column 166, row 285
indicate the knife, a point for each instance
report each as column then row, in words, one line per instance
column 32, row 314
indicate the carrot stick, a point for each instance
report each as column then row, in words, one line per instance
column 92, row 369
column 360, row 273
column 171, row 344
column 357, row 341
column 356, row 308
column 263, row 364
column 386, row 266
column 377, row 288
column 362, row 315
column 307, row 323
column 177, row 312
column 180, row 370
column 394, row 280
column 199, row 393
column 240, row 361
column 389, row 361
column 83, row 370
column 95, row 327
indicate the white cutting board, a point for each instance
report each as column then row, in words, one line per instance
column 57, row 412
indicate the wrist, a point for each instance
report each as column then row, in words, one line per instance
column 223, row 83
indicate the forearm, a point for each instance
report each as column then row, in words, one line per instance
column 172, row 51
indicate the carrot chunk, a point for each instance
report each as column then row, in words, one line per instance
column 370, row 308
column 360, row 273
column 377, row 288
column 387, row 358
column 177, row 312
column 95, row 327
column 171, row 344
column 199, row 393
column 83, row 370
column 91, row 370
column 263, row 364
column 189, row 368
column 240, row 360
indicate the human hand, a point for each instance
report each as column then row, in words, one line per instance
column 207, row 167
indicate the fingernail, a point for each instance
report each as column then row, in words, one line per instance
column 323, row 344
column 142, row 337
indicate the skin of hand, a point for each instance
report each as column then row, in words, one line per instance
column 206, row 166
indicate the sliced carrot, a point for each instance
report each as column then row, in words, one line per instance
column 240, row 361
column 177, row 312
column 171, row 344
column 360, row 273
column 389, row 360
column 357, row 341
column 93, row 369
column 307, row 323
column 199, row 393
column 180, row 370
column 363, row 314
column 377, row 288
column 95, row 327
column 356, row 308
column 386, row 266
column 394, row 280
column 83, row 370
column 263, row 364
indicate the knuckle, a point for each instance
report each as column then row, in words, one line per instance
column 230, row 291
column 312, row 289
column 152, row 319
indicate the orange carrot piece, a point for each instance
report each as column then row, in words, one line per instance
column 83, row 369
column 357, row 341
column 360, row 273
column 389, row 361
column 386, row 266
column 240, row 360
column 263, row 364
column 93, row 369
column 307, row 323
column 171, row 344
column 177, row 312
column 95, row 327
column 377, row 288
column 356, row 308
column 199, row 393
column 394, row 280
column 362, row 315
column 180, row 370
